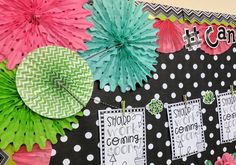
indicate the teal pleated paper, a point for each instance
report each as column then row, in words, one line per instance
column 122, row 51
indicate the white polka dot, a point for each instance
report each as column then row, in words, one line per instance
column 203, row 75
column 228, row 58
column 118, row 99
column 184, row 159
column 192, row 164
column 218, row 142
column 211, row 135
column 98, row 145
column 217, row 126
column 107, row 88
column 128, row 88
column 215, row 58
column 63, row 138
column 173, row 95
column 66, row 162
column 166, row 124
column 235, row 82
column 86, row 112
column 222, row 66
column 234, row 50
column 222, row 83
column 88, row 135
column 168, row 162
column 164, row 86
column 204, row 128
column 224, row 149
column 206, row 145
column 75, row 125
column 180, row 66
column 157, row 96
column 147, row 87
column 203, row 110
column 97, row 122
column 163, row 66
column 159, row 154
column 199, row 155
column 181, row 85
column 234, row 66
column 172, row 76
column 155, row 76
column 216, row 75
column 171, row 56
column 77, row 148
column 149, row 127
column 187, row 76
column 129, row 107
column 150, row 146
column 165, row 105
column 195, row 84
column 158, row 116
column 151, row 164
column 209, row 84
column 159, row 135
column 210, row 118
column 167, row 143
column 97, row 100
column 90, row 157
column 195, row 66
column 209, row 66
column 212, row 152
column 203, row 93
column 216, row 92
column 189, row 94
column 228, row 75
column 202, row 57
column 53, row 152
column 187, row 57
column 138, row 97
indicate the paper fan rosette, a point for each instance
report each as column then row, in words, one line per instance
column 122, row 51
column 21, row 126
column 54, row 82
column 170, row 36
column 29, row 24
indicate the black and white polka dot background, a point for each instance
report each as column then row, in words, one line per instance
column 177, row 74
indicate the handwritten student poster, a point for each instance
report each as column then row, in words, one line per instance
column 186, row 128
column 122, row 137
column 227, row 116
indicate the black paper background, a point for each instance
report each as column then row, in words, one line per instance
column 158, row 148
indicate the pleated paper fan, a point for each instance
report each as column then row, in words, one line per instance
column 21, row 126
column 221, row 48
column 29, row 24
column 54, row 82
column 170, row 36
column 122, row 51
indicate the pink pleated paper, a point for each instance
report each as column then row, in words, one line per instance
column 221, row 48
column 36, row 157
column 28, row 24
column 170, row 35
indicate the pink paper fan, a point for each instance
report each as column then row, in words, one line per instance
column 36, row 157
column 28, row 24
column 221, row 48
column 170, row 36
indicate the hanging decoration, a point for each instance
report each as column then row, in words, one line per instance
column 208, row 97
column 54, row 82
column 36, row 157
column 21, row 126
column 155, row 106
column 227, row 159
column 27, row 25
column 122, row 52
column 170, row 36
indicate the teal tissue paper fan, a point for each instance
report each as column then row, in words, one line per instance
column 122, row 50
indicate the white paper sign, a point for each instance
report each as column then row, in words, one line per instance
column 186, row 128
column 123, row 137
column 227, row 116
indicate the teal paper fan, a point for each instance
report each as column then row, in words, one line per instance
column 122, row 51
column 21, row 126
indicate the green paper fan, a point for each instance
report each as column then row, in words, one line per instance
column 54, row 82
column 122, row 51
column 21, row 126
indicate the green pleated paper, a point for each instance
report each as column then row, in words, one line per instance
column 54, row 82
column 21, row 126
column 122, row 51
